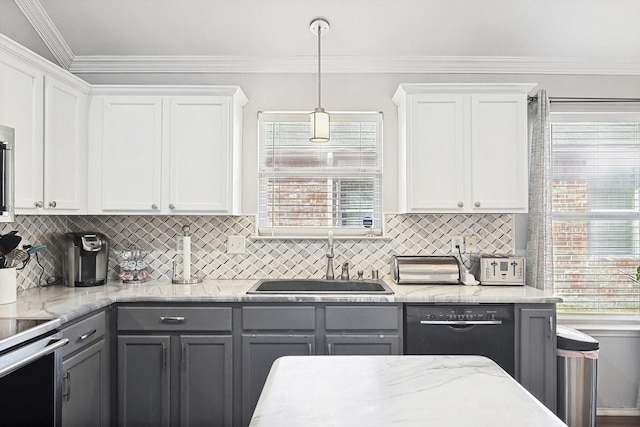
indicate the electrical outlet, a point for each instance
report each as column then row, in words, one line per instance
column 457, row 243
column 471, row 243
column 236, row 245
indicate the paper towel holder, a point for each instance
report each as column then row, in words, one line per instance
column 186, row 249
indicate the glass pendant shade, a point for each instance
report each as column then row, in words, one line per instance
column 319, row 125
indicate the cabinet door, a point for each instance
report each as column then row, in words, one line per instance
column 435, row 165
column 206, row 385
column 199, row 154
column 538, row 354
column 499, row 153
column 363, row 345
column 85, row 400
column 131, row 154
column 143, row 380
column 258, row 354
column 21, row 107
column 65, row 155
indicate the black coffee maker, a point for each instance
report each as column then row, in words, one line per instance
column 85, row 259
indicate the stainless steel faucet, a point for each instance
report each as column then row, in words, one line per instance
column 330, row 275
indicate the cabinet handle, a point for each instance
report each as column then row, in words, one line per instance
column 39, row 204
column 52, row 204
column 310, row 348
column 460, row 204
column 67, row 386
column 169, row 319
column 172, row 206
column 87, row 335
column 154, row 207
column 477, row 204
column 183, row 356
column 164, row 357
column 551, row 331
column 330, row 349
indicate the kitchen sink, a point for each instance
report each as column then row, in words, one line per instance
column 319, row 286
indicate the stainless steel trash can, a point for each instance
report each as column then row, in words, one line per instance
column 577, row 357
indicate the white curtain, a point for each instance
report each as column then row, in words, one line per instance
column 539, row 237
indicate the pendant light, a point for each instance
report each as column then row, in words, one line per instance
column 319, row 117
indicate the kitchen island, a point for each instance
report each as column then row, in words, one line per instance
column 390, row 391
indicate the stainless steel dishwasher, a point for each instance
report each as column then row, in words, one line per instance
column 483, row 330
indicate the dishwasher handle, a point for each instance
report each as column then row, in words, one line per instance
column 34, row 356
column 461, row 322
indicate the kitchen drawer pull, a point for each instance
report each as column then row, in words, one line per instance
column 461, row 322
column 169, row 319
column 87, row 335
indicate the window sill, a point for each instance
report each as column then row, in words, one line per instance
column 601, row 322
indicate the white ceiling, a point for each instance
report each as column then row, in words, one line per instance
column 365, row 35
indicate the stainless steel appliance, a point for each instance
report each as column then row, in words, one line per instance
column 30, row 373
column 6, row 174
column 482, row 330
column 499, row 270
column 85, row 259
column 424, row 269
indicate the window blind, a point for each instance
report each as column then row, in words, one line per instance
column 309, row 188
column 596, row 214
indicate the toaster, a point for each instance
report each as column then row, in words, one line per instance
column 499, row 269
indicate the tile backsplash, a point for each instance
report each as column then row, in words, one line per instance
column 425, row 234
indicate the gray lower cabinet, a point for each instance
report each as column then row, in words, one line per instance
column 537, row 351
column 85, row 373
column 180, row 371
column 270, row 332
column 258, row 354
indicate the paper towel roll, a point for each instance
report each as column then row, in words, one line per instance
column 186, row 257
column 7, row 285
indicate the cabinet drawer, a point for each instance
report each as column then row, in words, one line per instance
column 174, row 319
column 362, row 318
column 279, row 318
column 84, row 332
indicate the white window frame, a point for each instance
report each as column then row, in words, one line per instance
column 598, row 113
column 304, row 232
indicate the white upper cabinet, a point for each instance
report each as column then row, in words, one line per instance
column 463, row 148
column 47, row 108
column 165, row 149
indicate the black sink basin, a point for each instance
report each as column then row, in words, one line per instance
column 319, row 286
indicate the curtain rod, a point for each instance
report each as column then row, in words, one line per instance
column 595, row 100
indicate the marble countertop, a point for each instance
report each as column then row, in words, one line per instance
column 65, row 304
column 401, row 391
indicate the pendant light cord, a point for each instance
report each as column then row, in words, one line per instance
column 319, row 77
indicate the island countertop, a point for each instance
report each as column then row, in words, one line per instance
column 403, row 391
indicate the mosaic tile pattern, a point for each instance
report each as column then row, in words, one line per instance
column 158, row 236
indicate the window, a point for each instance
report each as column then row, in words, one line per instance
column 596, row 212
column 307, row 189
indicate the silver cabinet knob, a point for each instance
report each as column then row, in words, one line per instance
column 172, row 206
column 477, row 204
column 52, row 204
column 460, row 204
column 39, row 204
column 154, row 207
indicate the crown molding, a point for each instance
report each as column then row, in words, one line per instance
column 46, row 29
column 353, row 64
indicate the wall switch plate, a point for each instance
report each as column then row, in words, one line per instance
column 471, row 243
column 457, row 243
column 236, row 245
